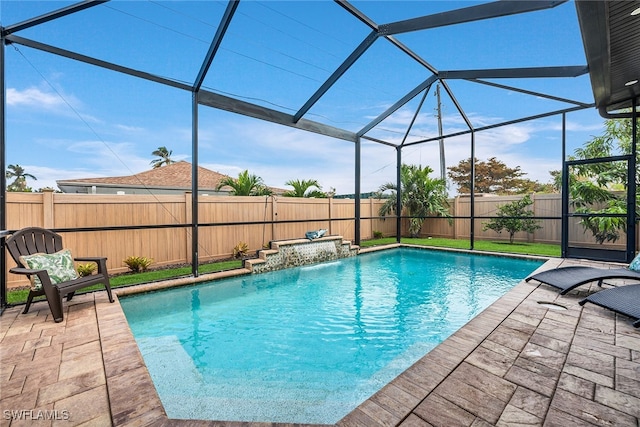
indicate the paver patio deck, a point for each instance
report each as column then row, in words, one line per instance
column 517, row 363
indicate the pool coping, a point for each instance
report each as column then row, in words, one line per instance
column 399, row 398
column 118, row 386
column 119, row 371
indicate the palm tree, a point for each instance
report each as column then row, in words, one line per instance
column 20, row 181
column 164, row 157
column 301, row 189
column 421, row 196
column 245, row 185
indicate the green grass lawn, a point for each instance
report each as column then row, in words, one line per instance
column 20, row 296
column 540, row 249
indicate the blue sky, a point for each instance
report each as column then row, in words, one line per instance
column 69, row 120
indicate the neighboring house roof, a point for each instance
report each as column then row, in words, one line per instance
column 176, row 176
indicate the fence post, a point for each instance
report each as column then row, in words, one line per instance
column 330, row 215
column 274, row 217
column 531, row 237
column 188, row 214
column 48, row 209
column 456, row 202
column 371, row 214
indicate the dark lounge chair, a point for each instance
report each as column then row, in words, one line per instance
column 37, row 245
column 568, row 278
column 622, row 299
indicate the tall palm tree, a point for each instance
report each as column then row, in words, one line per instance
column 245, row 185
column 20, row 181
column 420, row 196
column 301, row 189
column 164, row 157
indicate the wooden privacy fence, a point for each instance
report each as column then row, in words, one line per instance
column 171, row 243
column 546, row 207
column 264, row 218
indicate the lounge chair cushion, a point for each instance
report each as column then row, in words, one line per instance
column 635, row 264
column 59, row 265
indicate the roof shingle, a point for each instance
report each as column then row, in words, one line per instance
column 175, row 175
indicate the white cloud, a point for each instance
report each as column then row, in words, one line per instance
column 58, row 103
column 130, row 129
column 230, row 144
column 47, row 176
column 573, row 126
column 278, row 153
column 110, row 158
column 34, row 98
column 230, row 170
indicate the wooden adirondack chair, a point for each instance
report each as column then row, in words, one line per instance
column 26, row 243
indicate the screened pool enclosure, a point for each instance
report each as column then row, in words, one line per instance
column 418, row 82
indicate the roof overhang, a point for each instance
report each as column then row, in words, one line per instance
column 611, row 38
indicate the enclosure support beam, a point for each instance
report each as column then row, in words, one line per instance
column 472, row 206
column 528, row 92
column 213, row 49
column 399, row 193
column 631, row 182
column 425, row 85
column 232, row 105
column 368, row 22
column 93, row 61
column 194, row 184
column 205, row 98
column 516, row 73
column 358, row 14
column 564, row 227
column 351, row 59
column 413, row 119
column 357, row 191
column 215, row 44
column 507, row 123
column 3, row 182
column 468, row 14
column 60, row 13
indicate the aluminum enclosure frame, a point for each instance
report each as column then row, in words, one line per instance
column 384, row 32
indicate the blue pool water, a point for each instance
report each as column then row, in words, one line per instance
column 309, row 344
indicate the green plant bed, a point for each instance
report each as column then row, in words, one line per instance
column 19, row 296
column 170, row 273
column 541, row 249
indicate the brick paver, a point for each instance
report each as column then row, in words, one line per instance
column 518, row 363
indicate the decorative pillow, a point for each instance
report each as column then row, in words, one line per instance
column 635, row 264
column 59, row 266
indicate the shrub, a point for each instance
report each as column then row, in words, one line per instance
column 86, row 269
column 378, row 235
column 138, row 263
column 514, row 217
column 240, row 250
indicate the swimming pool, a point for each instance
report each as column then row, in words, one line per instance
column 309, row 344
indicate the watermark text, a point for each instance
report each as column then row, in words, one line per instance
column 36, row 414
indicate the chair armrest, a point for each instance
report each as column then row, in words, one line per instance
column 94, row 259
column 21, row 270
column 42, row 274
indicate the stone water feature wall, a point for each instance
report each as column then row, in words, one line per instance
column 293, row 253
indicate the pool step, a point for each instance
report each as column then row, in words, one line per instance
column 294, row 253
